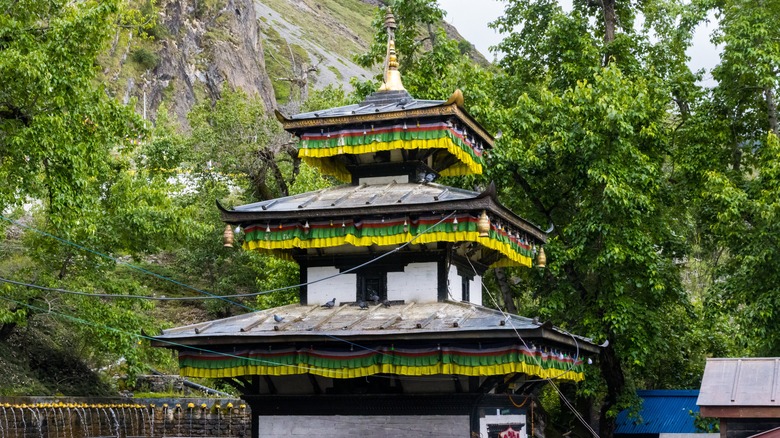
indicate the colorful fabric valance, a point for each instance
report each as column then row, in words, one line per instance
column 339, row 364
column 317, row 149
column 426, row 229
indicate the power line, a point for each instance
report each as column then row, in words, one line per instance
column 210, row 295
column 565, row 400
column 117, row 260
column 224, row 298
column 143, row 297
column 150, row 338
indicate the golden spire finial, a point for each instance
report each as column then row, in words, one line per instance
column 392, row 77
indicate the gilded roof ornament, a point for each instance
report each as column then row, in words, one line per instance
column 392, row 77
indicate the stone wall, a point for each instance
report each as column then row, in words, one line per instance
column 26, row 417
column 340, row 426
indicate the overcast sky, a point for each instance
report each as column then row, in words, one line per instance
column 471, row 18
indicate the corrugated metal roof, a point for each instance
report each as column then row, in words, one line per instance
column 408, row 320
column 379, row 102
column 363, row 195
column 666, row 411
column 741, row 382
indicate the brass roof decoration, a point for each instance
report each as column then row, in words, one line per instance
column 541, row 258
column 483, row 225
column 227, row 237
column 392, row 77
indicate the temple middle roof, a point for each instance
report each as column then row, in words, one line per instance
column 389, row 198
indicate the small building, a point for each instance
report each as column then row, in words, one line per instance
column 744, row 393
column 390, row 337
column 664, row 414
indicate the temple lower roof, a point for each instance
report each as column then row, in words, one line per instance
column 346, row 341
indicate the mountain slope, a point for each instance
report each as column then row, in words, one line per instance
column 276, row 49
column 270, row 48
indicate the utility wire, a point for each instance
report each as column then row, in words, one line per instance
column 195, row 348
column 121, row 262
column 213, row 296
column 210, row 295
column 548, row 379
column 143, row 297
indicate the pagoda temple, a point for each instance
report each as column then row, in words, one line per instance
column 390, row 337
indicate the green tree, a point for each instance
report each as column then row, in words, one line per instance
column 737, row 132
column 234, row 136
column 57, row 126
column 590, row 162
column 418, row 28
column 69, row 158
column 591, row 108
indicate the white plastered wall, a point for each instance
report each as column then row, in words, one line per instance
column 456, row 293
column 418, row 283
column 341, row 287
column 475, row 290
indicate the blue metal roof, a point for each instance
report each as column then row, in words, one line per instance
column 663, row 411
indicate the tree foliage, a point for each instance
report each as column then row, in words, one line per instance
column 593, row 112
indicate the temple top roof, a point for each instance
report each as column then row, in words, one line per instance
column 376, row 103
column 386, row 106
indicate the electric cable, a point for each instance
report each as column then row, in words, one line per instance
column 346, row 271
column 213, row 296
column 548, row 379
column 200, row 349
column 209, row 294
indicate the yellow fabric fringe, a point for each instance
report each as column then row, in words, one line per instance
column 430, row 237
column 317, row 157
column 347, row 373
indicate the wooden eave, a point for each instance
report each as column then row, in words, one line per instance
column 535, row 335
column 451, row 107
column 485, row 201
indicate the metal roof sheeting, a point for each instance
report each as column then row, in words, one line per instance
column 349, row 196
column 395, row 102
column 741, row 382
column 663, row 411
column 411, row 320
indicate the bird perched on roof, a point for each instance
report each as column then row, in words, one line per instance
column 330, row 303
column 362, row 304
column 278, row 318
column 386, row 303
column 374, row 297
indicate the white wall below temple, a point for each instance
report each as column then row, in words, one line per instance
column 341, row 287
column 343, row 426
column 418, row 283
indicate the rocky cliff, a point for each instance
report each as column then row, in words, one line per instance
column 275, row 49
